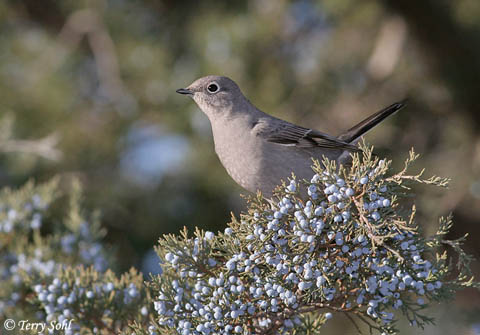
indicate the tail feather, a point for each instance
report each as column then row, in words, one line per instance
column 361, row 128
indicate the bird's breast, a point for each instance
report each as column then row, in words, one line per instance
column 256, row 164
column 240, row 154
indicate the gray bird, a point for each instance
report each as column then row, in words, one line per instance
column 259, row 150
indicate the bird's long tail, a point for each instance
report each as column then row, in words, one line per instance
column 361, row 128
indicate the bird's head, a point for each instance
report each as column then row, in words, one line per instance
column 213, row 94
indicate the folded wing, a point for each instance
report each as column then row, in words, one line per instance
column 288, row 134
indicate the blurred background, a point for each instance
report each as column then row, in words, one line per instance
column 87, row 90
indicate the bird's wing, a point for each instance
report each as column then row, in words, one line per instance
column 288, row 134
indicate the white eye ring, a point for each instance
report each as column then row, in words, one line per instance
column 213, row 87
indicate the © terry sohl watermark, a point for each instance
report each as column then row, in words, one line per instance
column 10, row 324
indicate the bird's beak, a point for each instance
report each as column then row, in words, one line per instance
column 185, row 91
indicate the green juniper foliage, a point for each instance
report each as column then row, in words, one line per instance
column 338, row 245
column 61, row 275
column 292, row 263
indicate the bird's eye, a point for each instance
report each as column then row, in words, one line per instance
column 212, row 88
